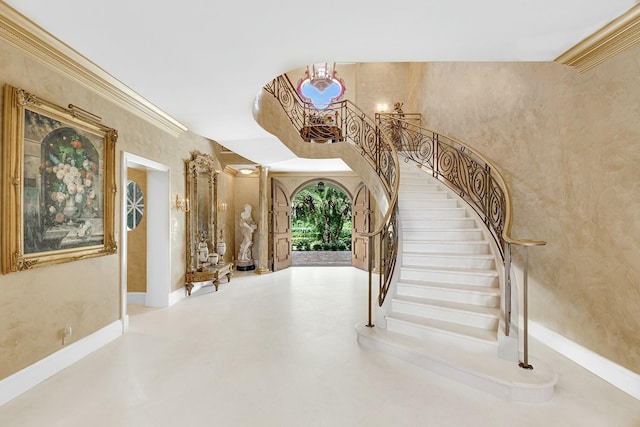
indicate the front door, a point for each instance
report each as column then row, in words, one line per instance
column 361, row 218
column 281, row 221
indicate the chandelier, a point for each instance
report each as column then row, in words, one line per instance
column 320, row 85
column 321, row 76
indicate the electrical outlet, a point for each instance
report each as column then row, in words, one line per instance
column 66, row 334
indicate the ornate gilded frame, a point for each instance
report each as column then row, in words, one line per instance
column 202, row 192
column 58, row 184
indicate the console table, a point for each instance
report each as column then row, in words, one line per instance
column 210, row 273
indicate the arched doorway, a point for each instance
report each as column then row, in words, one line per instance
column 321, row 224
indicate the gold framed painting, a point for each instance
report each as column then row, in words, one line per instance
column 58, row 184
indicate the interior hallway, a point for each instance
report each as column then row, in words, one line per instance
column 280, row 350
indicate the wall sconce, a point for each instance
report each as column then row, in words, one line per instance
column 382, row 108
column 222, row 207
column 182, row 204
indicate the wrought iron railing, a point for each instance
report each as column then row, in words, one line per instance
column 344, row 122
column 465, row 171
column 476, row 181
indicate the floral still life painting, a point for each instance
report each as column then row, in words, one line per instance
column 64, row 205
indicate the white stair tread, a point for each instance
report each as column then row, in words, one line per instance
column 449, row 255
column 449, row 242
column 452, row 270
column 490, row 290
column 420, row 189
column 439, row 229
column 450, row 305
column 442, row 209
column 442, row 326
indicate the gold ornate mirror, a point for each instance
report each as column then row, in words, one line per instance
column 201, row 224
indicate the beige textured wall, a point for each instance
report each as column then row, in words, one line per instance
column 35, row 306
column 568, row 146
column 382, row 83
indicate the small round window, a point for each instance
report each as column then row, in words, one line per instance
column 135, row 205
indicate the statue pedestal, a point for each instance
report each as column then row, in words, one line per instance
column 245, row 265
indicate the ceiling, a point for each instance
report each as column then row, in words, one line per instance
column 204, row 62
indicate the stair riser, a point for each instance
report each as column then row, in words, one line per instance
column 413, row 185
column 456, row 277
column 418, row 191
column 435, row 234
column 425, row 260
column 443, row 294
column 438, row 313
column 418, row 332
column 460, row 223
column 433, row 214
column 445, row 247
column 428, row 204
column 424, row 195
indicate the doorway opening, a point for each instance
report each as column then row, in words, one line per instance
column 321, row 215
column 156, row 254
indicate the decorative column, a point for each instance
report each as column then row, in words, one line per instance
column 263, row 225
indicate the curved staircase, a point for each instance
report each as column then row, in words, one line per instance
column 445, row 313
column 448, row 283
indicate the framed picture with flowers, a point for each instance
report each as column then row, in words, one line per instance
column 58, row 184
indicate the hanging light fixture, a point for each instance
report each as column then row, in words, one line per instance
column 320, row 85
column 320, row 187
column 321, row 75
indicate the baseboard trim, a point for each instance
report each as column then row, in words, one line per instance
column 22, row 381
column 136, row 298
column 180, row 294
column 619, row 376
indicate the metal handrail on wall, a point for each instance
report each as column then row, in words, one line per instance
column 475, row 180
column 343, row 122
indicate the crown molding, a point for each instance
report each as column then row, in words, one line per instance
column 27, row 36
column 230, row 171
column 319, row 175
column 613, row 38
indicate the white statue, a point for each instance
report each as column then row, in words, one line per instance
column 247, row 227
